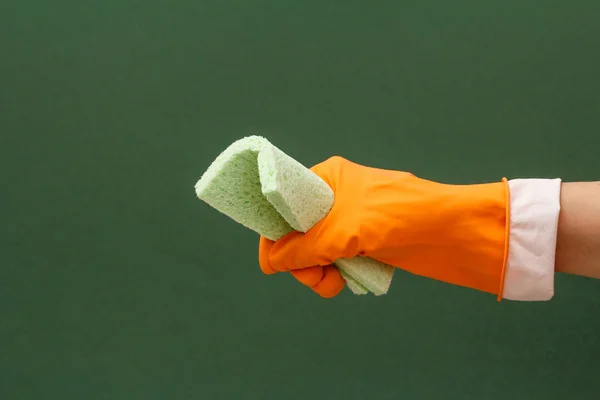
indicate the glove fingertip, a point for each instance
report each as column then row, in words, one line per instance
column 331, row 284
column 264, row 248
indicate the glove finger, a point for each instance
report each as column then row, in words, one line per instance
column 264, row 248
column 325, row 281
column 331, row 284
column 329, row 169
column 299, row 250
column 309, row 276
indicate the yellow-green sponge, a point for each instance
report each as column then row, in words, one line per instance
column 262, row 188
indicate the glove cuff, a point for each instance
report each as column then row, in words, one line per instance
column 534, row 212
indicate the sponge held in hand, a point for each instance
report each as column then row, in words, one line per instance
column 262, row 188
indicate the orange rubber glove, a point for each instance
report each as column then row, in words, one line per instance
column 453, row 233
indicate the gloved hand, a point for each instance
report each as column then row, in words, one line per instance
column 453, row 233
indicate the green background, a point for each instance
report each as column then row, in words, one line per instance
column 116, row 282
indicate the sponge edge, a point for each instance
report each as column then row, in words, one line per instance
column 262, row 188
column 354, row 286
column 298, row 194
column 377, row 280
column 232, row 185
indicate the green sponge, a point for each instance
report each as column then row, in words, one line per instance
column 257, row 185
